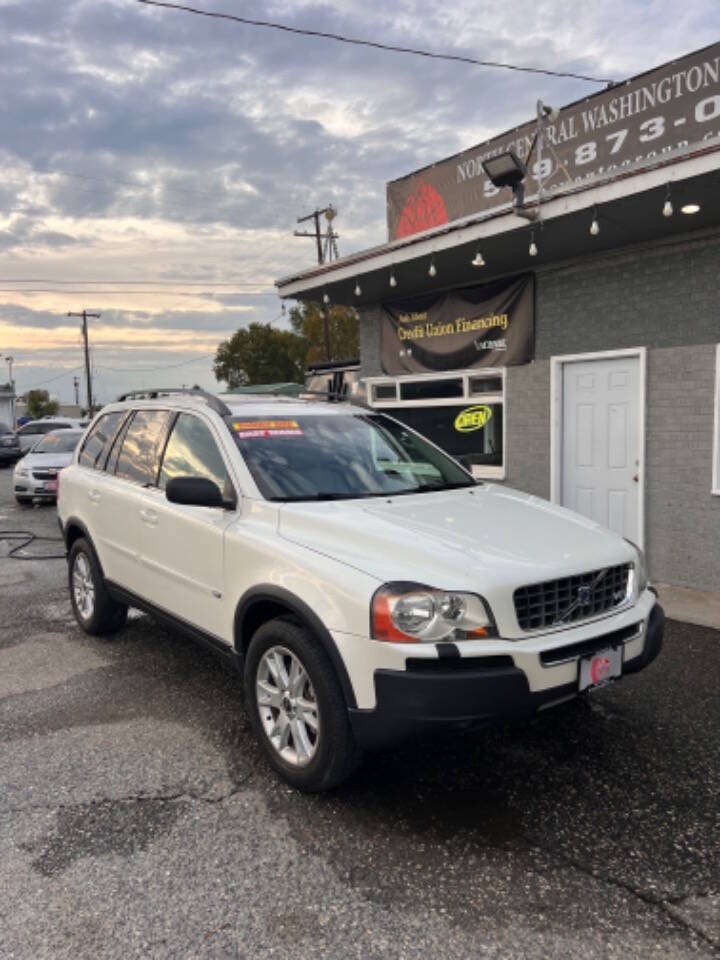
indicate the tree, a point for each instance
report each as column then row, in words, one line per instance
column 306, row 319
column 38, row 404
column 260, row 354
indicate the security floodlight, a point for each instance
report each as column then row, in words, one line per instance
column 505, row 170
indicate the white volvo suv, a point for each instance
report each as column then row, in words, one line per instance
column 365, row 585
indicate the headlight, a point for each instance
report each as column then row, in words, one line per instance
column 20, row 472
column 412, row 613
column 639, row 570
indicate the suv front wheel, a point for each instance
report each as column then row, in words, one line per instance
column 94, row 608
column 297, row 708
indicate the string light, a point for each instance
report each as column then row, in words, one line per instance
column 326, row 298
column 667, row 207
column 393, row 281
column 532, row 249
column 594, row 226
column 478, row 260
column 432, row 272
column 358, row 288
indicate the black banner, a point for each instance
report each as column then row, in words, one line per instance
column 485, row 326
column 675, row 107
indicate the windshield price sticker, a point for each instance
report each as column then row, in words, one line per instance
column 250, row 429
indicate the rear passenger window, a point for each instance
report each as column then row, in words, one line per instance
column 140, row 454
column 99, row 438
column 193, row 452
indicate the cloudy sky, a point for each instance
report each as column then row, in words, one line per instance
column 154, row 162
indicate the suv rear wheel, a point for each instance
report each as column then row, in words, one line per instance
column 297, row 708
column 94, row 608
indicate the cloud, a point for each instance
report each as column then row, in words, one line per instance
column 142, row 144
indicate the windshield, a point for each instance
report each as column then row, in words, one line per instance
column 342, row 457
column 57, row 443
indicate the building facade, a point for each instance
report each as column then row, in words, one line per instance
column 599, row 392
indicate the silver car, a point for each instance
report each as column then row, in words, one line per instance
column 35, row 476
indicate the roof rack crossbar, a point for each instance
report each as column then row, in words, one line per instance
column 153, row 393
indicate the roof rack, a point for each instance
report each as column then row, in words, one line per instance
column 154, row 392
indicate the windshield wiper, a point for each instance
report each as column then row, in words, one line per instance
column 434, row 488
column 323, row 496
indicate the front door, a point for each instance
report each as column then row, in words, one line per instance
column 602, row 443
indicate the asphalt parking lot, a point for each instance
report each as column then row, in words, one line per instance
column 137, row 818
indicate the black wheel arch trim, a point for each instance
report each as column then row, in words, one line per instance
column 269, row 592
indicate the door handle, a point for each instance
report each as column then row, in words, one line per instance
column 93, row 495
column 636, row 479
column 150, row 517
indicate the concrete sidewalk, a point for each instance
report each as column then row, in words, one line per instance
column 700, row 607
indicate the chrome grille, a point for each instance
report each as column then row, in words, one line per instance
column 570, row 599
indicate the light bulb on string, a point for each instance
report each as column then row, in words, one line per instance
column 532, row 249
column 392, row 281
column 478, row 260
column 432, row 271
column 594, row 226
column 667, row 206
column 326, row 298
column 358, row 288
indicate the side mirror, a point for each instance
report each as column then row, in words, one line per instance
column 194, row 492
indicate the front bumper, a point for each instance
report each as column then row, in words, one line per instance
column 468, row 692
column 32, row 489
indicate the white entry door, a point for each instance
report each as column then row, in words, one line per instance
column 602, row 442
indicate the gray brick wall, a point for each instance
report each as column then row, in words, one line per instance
column 666, row 298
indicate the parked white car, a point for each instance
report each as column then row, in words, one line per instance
column 32, row 431
column 366, row 586
column 35, row 476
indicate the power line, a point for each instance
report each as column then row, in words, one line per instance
column 53, row 379
column 168, row 366
column 137, row 293
column 373, row 43
column 176, row 283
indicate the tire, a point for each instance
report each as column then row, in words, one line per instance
column 95, row 610
column 23, row 501
column 314, row 757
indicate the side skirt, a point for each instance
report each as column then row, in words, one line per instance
column 208, row 640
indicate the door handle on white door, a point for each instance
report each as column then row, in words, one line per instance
column 150, row 517
column 93, row 495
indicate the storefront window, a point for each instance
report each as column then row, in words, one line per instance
column 463, row 414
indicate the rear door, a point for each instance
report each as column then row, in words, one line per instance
column 182, row 546
column 132, row 464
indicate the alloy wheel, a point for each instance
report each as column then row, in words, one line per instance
column 287, row 706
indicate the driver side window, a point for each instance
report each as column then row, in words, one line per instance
column 192, row 452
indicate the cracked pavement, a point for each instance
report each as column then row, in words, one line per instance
column 137, row 818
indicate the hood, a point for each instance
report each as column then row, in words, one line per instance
column 41, row 461
column 455, row 539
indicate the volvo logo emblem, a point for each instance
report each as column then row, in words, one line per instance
column 584, row 595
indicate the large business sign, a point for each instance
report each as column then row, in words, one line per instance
column 674, row 107
column 485, row 326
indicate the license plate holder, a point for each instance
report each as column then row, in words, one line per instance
column 51, row 486
column 601, row 668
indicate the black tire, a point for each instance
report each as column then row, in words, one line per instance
column 105, row 615
column 336, row 753
column 23, row 501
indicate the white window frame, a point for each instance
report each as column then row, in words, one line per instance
column 480, row 471
column 556, row 422
column 715, row 488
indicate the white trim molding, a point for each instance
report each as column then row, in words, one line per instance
column 715, row 488
column 556, row 414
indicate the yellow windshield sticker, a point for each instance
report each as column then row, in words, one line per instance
column 472, row 418
column 246, row 429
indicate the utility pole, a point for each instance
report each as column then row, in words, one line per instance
column 9, row 361
column 85, row 314
column 327, row 250
column 76, row 387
